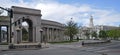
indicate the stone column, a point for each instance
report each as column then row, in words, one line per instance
column 57, row 34
column 52, row 36
column 41, row 35
column 30, row 34
column 20, row 26
column 18, row 35
column 34, row 34
column 47, row 34
column 60, row 34
column 46, row 38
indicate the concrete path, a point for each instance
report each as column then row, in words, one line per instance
column 71, row 49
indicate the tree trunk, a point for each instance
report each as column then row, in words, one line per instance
column 71, row 38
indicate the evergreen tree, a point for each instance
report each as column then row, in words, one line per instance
column 71, row 29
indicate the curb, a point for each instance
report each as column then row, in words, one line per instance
column 95, row 43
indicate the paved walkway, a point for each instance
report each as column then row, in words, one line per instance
column 71, row 49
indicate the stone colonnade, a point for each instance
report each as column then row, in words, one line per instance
column 52, row 34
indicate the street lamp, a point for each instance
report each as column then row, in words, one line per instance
column 10, row 13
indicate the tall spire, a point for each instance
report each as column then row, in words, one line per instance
column 91, row 25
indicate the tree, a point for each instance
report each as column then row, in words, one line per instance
column 71, row 29
column 25, row 34
column 94, row 34
column 87, row 34
column 102, row 34
column 113, row 34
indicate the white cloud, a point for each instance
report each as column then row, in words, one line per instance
column 56, row 11
column 63, row 12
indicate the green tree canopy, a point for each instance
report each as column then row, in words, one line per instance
column 102, row 34
column 113, row 34
column 71, row 29
column 25, row 34
column 94, row 34
column 87, row 34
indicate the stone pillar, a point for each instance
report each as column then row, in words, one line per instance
column 38, row 34
column 43, row 34
column 47, row 34
column 57, row 34
column 50, row 34
column 53, row 35
column 18, row 35
column 15, row 35
column 34, row 34
column 40, row 39
column 46, row 38
column 30, row 34
column 20, row 26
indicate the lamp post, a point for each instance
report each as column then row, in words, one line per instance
column 10, row 13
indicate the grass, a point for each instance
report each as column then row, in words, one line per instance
column 4, row 43
column 63, row 42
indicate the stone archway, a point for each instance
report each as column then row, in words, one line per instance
column 30, row 30
column 32, row 17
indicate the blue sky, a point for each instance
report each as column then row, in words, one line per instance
column 102, row 4
column 104, row 12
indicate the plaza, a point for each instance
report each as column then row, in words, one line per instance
column 70, row 49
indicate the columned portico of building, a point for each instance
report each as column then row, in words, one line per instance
column 52, row 34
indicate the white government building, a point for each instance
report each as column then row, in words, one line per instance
column 91, row 28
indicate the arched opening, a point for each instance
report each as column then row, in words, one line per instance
column 27, row 29
column 3, row 33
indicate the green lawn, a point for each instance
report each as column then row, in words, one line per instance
column 4, row 43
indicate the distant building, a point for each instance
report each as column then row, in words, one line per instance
column 105, row 27
column 92, row 28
